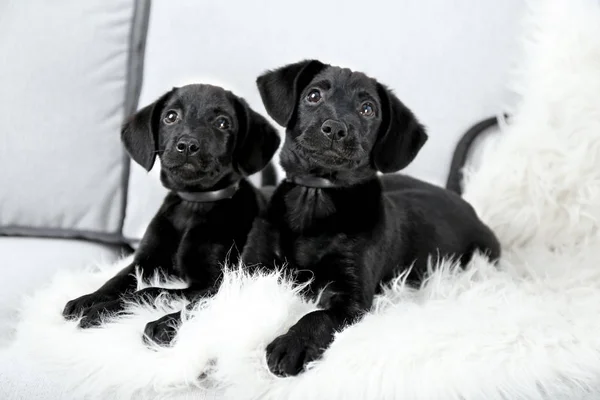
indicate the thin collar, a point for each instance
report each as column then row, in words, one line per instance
column 312, row 182
column 207, row 197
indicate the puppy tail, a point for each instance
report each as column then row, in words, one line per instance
column 461, row 152
column 487, row 244
column 269, row 175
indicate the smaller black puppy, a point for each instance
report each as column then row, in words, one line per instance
column 208, row 140
column 330, row 221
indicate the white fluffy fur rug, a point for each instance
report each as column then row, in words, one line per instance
column 527, row 330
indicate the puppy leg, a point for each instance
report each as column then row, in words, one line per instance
column 94, row 315
column 486, row 243
column 201, row 255
column 163, row 330
column 306, row 341
column 155, row 250
column 123, row 281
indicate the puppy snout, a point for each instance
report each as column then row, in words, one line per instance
column 187, row 145
column 335, row 130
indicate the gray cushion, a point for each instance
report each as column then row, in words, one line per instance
column 145, row 197
column 68, row 78
column 29, row 263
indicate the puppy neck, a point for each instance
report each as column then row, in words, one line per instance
column 312, row 182
column 308, row 209
column 195, row 192
column 210, row 195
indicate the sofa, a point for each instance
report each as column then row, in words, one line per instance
column 72, row 71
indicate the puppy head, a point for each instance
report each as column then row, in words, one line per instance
column 339, row 122
column 204, row 136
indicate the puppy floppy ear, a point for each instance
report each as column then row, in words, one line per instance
column 140, row 133
column 279, row 89
column 256, row 142
column 400, row 135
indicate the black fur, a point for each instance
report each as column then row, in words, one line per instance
column 351, row 238
column 189, row 239
column 462, row 150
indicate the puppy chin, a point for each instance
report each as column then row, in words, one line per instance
column 329, row 161
column 188, row 177
column 325, row 156
column 299, row 161
column 193, row 174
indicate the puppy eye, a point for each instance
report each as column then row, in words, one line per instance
column 222, row 123
column 170, row 117
column 314, row 96
column 367, row 109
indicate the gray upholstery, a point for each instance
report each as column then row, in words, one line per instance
column 69, row 73
column 29, row 263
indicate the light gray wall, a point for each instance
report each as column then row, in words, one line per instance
column 446, row 59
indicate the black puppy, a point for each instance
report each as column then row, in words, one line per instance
column 208, row 140
column 330, row 221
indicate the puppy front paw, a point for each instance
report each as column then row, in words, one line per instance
column 76, row 307
column 162, row 331
column 288, row 354
column 94, row 315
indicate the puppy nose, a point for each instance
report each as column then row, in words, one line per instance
column 335, row 130
column 188, row 146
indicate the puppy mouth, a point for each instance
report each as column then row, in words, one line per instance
column 330, row 154
column 191, row 168
column 188, row 165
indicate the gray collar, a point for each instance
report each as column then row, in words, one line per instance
column 207, row 197
column 312, row 182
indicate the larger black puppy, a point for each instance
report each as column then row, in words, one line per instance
column 207, row 140
column 330, row 221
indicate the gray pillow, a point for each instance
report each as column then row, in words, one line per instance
column 69, row 72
